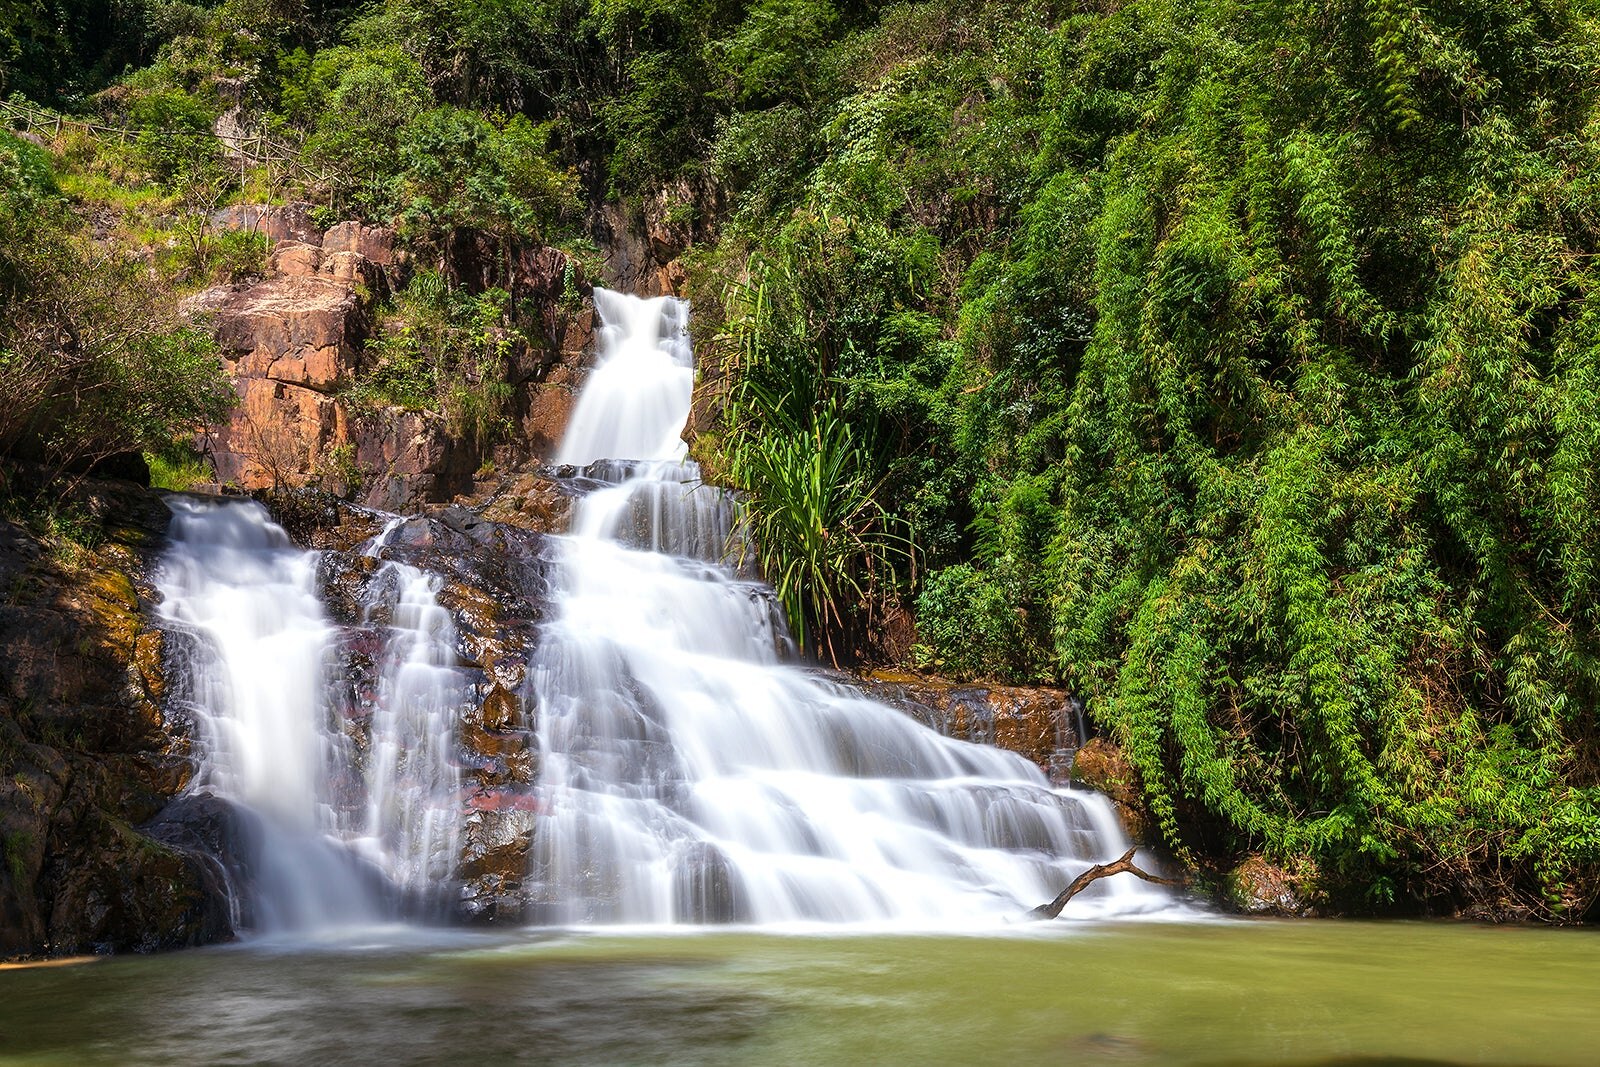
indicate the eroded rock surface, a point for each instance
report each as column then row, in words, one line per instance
column 295, row 344
column 495, row 583
column 1037, row 722
column 90, row 758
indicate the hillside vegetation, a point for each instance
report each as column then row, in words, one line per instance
column 1237, row 365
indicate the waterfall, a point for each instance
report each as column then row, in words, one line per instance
column 689, row 768
column 255, row 679
column 637, row 398
column 413, row 808
column 348, row 823
column 691, row 772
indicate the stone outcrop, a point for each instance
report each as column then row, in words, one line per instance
column 89, row 755
column 1101, row 766
column 295, row 345
column 286, row 222
column 1256, row 886
column 645, row 240
column 1036, row 722
column 496, row 588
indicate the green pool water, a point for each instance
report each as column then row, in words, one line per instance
column 1126, row 993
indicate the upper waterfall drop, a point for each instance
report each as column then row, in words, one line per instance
column 636, row 401
column 691, row 774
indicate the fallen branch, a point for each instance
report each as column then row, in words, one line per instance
column 1124, row 865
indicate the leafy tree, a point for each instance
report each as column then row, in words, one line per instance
column 93, row 357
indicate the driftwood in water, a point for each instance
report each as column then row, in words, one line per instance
column 1124, row 865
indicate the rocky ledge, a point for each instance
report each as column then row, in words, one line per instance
column 295, row 342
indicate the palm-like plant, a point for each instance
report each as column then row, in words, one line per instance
column 819, row 534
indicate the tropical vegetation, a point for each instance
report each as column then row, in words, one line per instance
column 1235, row 365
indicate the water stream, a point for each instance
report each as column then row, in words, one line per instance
column 691, row 770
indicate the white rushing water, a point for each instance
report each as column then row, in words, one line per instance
column 689, row 774
column 690, row 769
column 257, row 685
column 343, row 836
column 413, row 815
column 637, row 398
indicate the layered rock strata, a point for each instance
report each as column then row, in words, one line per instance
column 295, row 343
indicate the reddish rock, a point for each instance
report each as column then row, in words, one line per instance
column 531, row 501
column 375, row 243
column 407, row 457
column 549, row 403
column 278, row 436
column 1101, row 766
column 302, row 330
column 1036, row 722
column 294, row 342
column 295, row 259
column 286, row 222
column 351, row 268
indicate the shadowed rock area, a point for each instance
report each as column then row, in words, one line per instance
column 91, row 757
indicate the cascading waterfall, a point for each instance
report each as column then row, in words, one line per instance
column 690, row 769
column 344, row 836
column 256, row 683
column 413, row 817
column 691, row 775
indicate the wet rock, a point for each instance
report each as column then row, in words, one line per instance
column 502, row 710
column 1259, row 887
column 343, row 582
column 1101, row 766
column 704, row 886
column 495, row 857
column 533, row 501
column 86, row 751
column 125, row 891
column 1036, row 722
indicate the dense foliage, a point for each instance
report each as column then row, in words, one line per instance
column 1235, row 364
column 93, row 359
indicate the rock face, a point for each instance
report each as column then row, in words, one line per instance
column 496, row 587
column 295, row 344
column 89, row 756
column 1101, row 766
column 1039, row 723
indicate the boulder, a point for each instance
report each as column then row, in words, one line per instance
column 407, row 457
column 373, row 243
column 301, row 329
column 1257, row 886
column 1101, row 766
column 531, row 500
column 295, row 259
